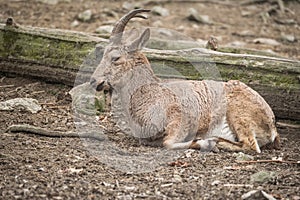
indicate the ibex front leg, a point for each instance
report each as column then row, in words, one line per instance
column 176, row 137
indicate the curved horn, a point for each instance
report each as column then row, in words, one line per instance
column 119, row 27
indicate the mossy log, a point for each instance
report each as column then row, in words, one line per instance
column 65, row 56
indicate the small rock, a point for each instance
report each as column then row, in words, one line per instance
column 296, row 197
column 131, row 5
column 177, row 178
column 73, row 170
column 193, row 15
column 257, row 194
column 85, row 16
column 288, row 37
column 287, row 21
column 262, row 177
column 245, row 13
column 243, row 156
column 129, row 188
column 267, row 41
column 160, row 11
column 28, row 104
column 104, row 29
column 216, row 182
column 75, row 23
column 41, row 169
column 110, row 13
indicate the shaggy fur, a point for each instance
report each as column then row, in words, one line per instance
column 182, row 114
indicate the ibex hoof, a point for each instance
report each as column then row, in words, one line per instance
column 205, row 145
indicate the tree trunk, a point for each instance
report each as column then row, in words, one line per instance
column 70, row 57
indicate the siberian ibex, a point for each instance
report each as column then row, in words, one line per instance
column 181, row 114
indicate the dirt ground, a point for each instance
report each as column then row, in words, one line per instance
column 36, row 167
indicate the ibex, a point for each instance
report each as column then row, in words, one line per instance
column 181, row 114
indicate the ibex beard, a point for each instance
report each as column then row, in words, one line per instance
column 181, row 114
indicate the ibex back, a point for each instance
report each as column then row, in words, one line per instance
column 181, row 114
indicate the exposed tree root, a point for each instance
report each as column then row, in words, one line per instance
column 50, row 133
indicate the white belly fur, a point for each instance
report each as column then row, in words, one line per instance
column 222, row 130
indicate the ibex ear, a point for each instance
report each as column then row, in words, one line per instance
column 140, row 42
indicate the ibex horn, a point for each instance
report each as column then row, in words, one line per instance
column 117, row 32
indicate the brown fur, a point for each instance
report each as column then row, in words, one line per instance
column 229, row 115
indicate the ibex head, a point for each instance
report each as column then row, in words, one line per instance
column 119, row 57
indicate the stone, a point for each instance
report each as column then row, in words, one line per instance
column 75, row 23
column 131, row 5
column 107, row 29
column 262, row 177
column 85, row 16
column 158, row 10
column 267, row 41
column 193, row 15
column 288, row 37
column 242, row 156
column 28, row 104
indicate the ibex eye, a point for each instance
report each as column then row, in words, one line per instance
column 115, row 58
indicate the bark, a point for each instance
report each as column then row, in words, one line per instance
column 70, row 57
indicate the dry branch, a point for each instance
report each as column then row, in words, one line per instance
column 58, row 55
column 268, row 161
column 151, row 2
column 50, row 133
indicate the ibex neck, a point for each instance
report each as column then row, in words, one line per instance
column 136, row 78
column 121, row 97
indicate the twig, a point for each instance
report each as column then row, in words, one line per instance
column 6, row 86
column 50, row 133
column 150, row 2
column 268, row 161
column 249, row 2
column 286, row 125
column 49, row 103
column 237, row 185
column 58, row 106
column 38, row 92
column 281, row 5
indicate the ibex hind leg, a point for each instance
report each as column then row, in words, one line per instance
column 272, row 144
column 227, row 145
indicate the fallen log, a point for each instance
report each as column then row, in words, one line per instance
column 65, row 56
